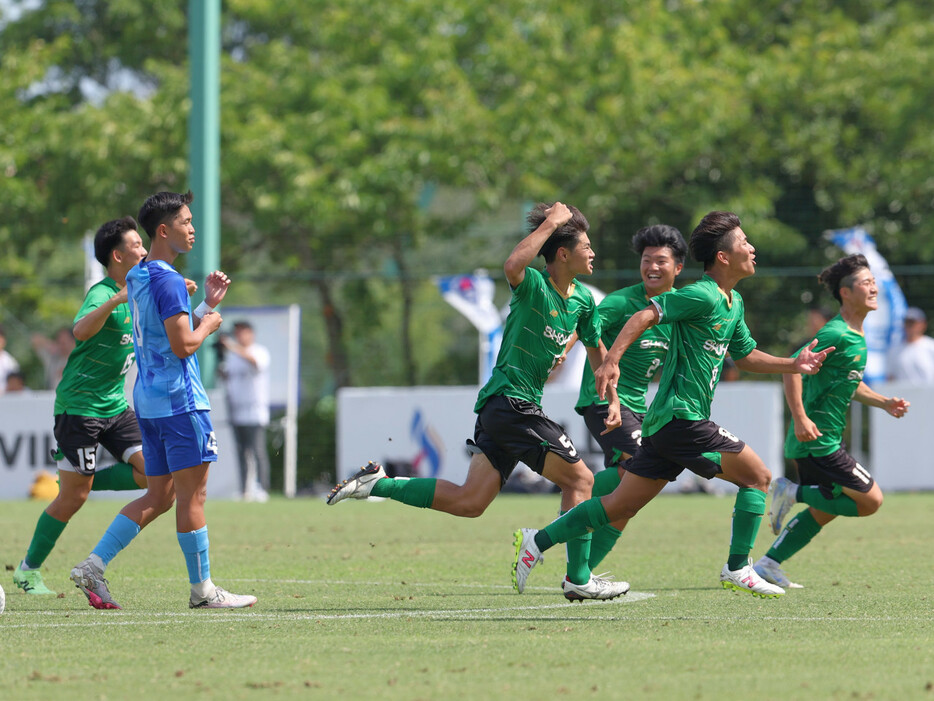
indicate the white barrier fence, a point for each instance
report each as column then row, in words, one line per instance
column 26, row 438
column 427, row 427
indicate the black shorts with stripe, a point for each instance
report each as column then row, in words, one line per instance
column 509, row 430
column 625, row 439
column 829, row 472
column 79, row 436
column 683, row 444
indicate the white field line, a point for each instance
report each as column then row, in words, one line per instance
column 132, row 618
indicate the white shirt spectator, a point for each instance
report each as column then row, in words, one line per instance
column 8, row 366
column 914, row 361
column 248, row 387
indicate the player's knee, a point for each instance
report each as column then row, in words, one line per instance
column 473, row 508
column 871, row 504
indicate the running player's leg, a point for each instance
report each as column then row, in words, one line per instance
column 746, row 470
column 72, row 494
column 120, row 435
column 575, row 481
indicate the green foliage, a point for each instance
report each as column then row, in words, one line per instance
column 367, row 147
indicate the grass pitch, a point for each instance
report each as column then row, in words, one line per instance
column 380, row 600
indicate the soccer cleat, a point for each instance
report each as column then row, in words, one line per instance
column 771, row 571
column 89, row 578
column 783, row 498
column 30, row 581
column 527, row 556
column 746, row 579
column 222, row 599
column 359, row 485
column 600, row 588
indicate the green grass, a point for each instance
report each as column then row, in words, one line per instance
column 385, row 601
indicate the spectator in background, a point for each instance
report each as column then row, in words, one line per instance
column 246, row 378
column 54, row 354
column 914, row 359
column 8, row 364
column 16, row 383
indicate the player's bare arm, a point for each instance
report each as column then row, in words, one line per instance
column 807, row 361
column 896, row 406
column 92, row 322
column 805, row 429
column 527, row 249
column 191, row 286
column 607, row 375
column 183, row 339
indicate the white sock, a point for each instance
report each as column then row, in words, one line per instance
column 203, row 590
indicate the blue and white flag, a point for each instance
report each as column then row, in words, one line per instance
column 883, row 327
column 472, row 296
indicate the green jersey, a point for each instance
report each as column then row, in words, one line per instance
column 641, row 360
column 92, row 382
column 827, row 394
column 705, row 324
column 540, row 323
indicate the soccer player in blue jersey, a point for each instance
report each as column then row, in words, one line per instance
column 171, row 405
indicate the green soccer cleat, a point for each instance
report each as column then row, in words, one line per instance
column 30, row 581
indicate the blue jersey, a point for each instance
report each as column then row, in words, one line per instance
column 166, row 384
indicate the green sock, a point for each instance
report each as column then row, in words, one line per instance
column 839, row 505
column 417, row 491
column 604, row 539
column 798, row 533
column 48, row 530
column 586, row 517
column 118, row 478
column 747, row 514
column 578, row 554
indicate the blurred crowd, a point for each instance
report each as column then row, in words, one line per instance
column 53, row 352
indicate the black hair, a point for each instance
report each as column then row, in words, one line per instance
column 841, row 273
column 565, row 236
column 157, row 208
column 711, row 236
column 110, row 236
column 660, row 235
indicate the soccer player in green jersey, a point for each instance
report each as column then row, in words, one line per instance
column 832, row 482
column 661, row 250
column 546, row 308
column 707, row 321
column 90, row 403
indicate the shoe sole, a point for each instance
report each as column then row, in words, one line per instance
column 736, row 587
column 577, row 598
column 205, row 605
column 371, row 469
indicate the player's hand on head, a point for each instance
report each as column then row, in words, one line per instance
column 191, row 286
column 558, row 214
column 215, row 287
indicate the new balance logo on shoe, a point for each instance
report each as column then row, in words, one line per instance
column 528, row 559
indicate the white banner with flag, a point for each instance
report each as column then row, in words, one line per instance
column 472, row 296
column 883, row 327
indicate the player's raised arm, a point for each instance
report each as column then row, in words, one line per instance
column 607, row 375
column 524, row 253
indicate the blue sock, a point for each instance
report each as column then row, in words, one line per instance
column 118, row 535
column 195, row 547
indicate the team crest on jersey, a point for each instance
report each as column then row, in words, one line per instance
column 554, row 312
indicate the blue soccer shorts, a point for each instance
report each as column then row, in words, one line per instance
column 173, row 443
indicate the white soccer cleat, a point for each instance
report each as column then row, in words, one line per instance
column 359, row 485
column 771, row 571
column 527, row 556
column 222, row 599
column 783, row 498
column 601, row 587
column 746, row 579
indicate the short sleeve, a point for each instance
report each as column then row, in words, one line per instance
column 691, row 302
column 589, row 326
column 742, row 343
column 169, row 293
column 96, row 296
